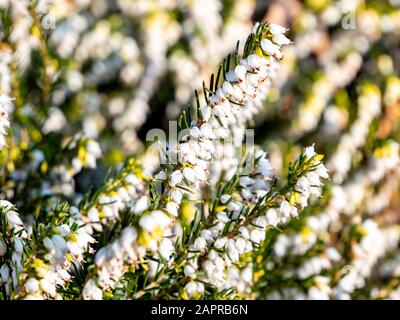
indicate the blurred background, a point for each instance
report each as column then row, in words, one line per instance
column 110, row 70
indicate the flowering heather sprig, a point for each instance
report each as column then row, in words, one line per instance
column 113, row 260
column 226, row 104
column 126, row 190
column 54, row 245
column 121, row 203
column 59, row 240
column 80, row 84
column 242, row 228
column 211, row 248
column 13, row 238
column 222, row 111
column 126, row 253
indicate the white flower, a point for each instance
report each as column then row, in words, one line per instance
column 219, row 263
column 255, row 27
column 200, row 173
column 309, row 152
column 6, row 205
column 93, row 148
column 208, row 267
column 32, row 285
column 161, row 218
column 189, row 270
column 316, row 191
column 222, row 216
column 166, row 248
column 5, row 273
column 207, row 131
column 256, row 235
column 254, row 61
column 18, row 246
column 108, row 211
column 200, row 288
column 64, row 274
column 241, row 245
column 322, row 171
column 176, row 178
column 276, row 28
column 73, row 248
column 141, row 204
column 200, row 244
column 246, row 181
column 293, row 212
column 237, row 94
column 213, row 255
column 206, row 112
column 272, row 217
column 101, row 256
column 162, row 175
column 48, row 243
column 266, row 168
column 74, row 211
column 193, row 287
column 313, row 178
column 176, row 195
column 48, row 287
column 77, row 165
column 64, row 230
column 245, row 233
column 189, row 174
column 84, row 238
column 195, row 132
column 91, row 291
column 240, row 72
column 3, row 248
column 234, row 206
column 220, row 243
column 285, row 208
column 271, row 48
column 260, row 222
column 252, row 80
column 231, row 76
column 172, row 208
column 93, row 215
column 13, row 219
column 225, row 198
column 4, row 122
column 232, row 251
column 280, row 39
column 218, row 97
column 227, row 88
column 59, row 242
column 303, row 185
column 148, row 223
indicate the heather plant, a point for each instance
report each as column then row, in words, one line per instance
column 179, row 150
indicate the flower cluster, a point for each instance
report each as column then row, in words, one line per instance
column 237, row 204
column 234, row 101
column 11, row 246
